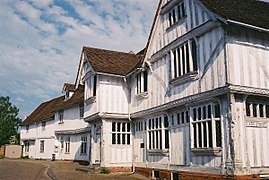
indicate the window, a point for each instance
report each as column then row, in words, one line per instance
column 26, row 146
column 176, row 14
column 81, row 111
column 184, row 59
column 182, row 117
column 142, row 82
column 67, row 145
column 257, row 109
column 43, row 125
column 27, row 127
column 62, row 142
column 83, row 147
column 157, row 130
column 61, row 117
column 42, row 146
column 206, row 126
column 91, row 83
column 121, row 133
column 139, row 126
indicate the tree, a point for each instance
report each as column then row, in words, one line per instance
column 9, row 122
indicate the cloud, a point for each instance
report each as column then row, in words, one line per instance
column 41, row 41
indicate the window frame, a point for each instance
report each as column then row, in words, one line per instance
column 176, row 15
column 81, row 111
column 118, row 132
column 83, row 146
column 91, row 83
column 142, row 82
column 202, row 118
column 158, row 134
column 61, row 116
column 43, row 125
column 67, row 145
column 42, row 146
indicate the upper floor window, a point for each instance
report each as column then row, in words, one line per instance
column 176, row 14
column 26, row 146
column 43, row 125
column 81, row 111
column 184, row 59
column 27, row 127
column 142, row 82
column 157, row 129
column 61, row 116
column 91, row 84
column 206, row 126
column 121, row 133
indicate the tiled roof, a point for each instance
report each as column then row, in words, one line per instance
column 43, row 111
column 112, row 62
column 69, row 87
column 250, row 12
column 76, row 98
column 46, row 110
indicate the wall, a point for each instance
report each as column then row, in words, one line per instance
column 13, row 151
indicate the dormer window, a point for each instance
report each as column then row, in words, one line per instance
column 142, row 82
column 61, row 117
column 67, row 95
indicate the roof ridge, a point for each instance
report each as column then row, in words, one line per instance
column 103, row 49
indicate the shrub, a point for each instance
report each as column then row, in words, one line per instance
column 2, row 156
column 25, row 157
column 104, row 171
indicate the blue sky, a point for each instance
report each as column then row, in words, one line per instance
column 41, row 41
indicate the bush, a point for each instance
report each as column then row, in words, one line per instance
column 2, row 156
column 25, row 157
column 104, row 171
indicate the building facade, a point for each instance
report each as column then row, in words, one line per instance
column 193, row 103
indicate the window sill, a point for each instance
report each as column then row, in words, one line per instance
column 90, row 100
column 176, row 24
column 142, row 95
column 207, row 151
column 191, row 76
column 164, row 152
column 256, row 122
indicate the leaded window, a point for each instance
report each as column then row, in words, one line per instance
column 83, row 147
column 206, row 126
column 121, row 133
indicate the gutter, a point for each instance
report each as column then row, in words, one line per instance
column 247, row 25
column 108, row 74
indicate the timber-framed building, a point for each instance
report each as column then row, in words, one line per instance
column 193, row 103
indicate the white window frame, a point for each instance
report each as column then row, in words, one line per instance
column 91, row 84
column 142, row 81
column 81, row 111
column 121, row 134
column 176, row 14
column 257, row 109
column 43, row 125
column 158, row 135
column 83, row 147
column 26, row 146
column 61, row 116
column 204, row 121
column 42, row 146
column 67, row 145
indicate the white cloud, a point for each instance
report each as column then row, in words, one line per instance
column 40, row 43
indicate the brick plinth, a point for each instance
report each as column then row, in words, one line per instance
column 183, row 175
column 119, row 169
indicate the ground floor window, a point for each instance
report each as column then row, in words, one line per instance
column 42, row 146
column 206, row 126
column 158, row 133
column 83, row 147
column 26, row 146
column 67, row 145
column 121, row 133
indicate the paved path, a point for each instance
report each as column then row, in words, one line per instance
column 22, row 169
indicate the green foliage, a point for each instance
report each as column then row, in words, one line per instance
column 2, row 156
column 9, row 122
column 105, row 171
column 25, row 157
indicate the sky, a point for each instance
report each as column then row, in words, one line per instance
column 41, row 41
